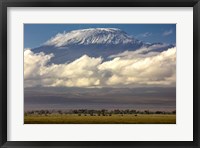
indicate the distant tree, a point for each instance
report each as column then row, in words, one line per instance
column 146, row 111
column 127, row 111
column 116, row 111
column 99, row 113
column 41, row 112
column 174, row 112
column 60, row 112
column 91, row 112
column 132, row 111
column 158, row 112
column 47, row 112
column 75, row 111
column 103, row 112
column 82, row 111
column 31, row 112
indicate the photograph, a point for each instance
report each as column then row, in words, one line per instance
column 99, row 73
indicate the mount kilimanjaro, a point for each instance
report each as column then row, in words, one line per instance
column 94, row 42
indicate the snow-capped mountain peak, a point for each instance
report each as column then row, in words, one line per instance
column 93, row 42
column 90, row 36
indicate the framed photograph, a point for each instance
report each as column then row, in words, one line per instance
column 99, row 73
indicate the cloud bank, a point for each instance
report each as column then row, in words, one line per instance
column 129, row 69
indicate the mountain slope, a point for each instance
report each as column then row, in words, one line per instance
column 94, row 42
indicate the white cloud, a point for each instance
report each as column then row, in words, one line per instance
column 142, row 52
column 34, row 63
column 167, row 32
column 145, row 35
column 128, row 70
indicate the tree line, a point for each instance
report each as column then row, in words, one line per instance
column 102, row 112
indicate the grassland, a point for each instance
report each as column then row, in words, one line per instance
column 114, row 119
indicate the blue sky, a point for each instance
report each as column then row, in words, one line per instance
column 36, row 34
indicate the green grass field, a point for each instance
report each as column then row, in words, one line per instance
column 114, row 119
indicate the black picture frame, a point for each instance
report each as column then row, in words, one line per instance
column 4, row 4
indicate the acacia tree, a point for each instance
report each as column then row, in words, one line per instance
column 146, row 111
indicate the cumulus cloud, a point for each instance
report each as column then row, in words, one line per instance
column 128, row 70
column 167, row 32
column 34, row 63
